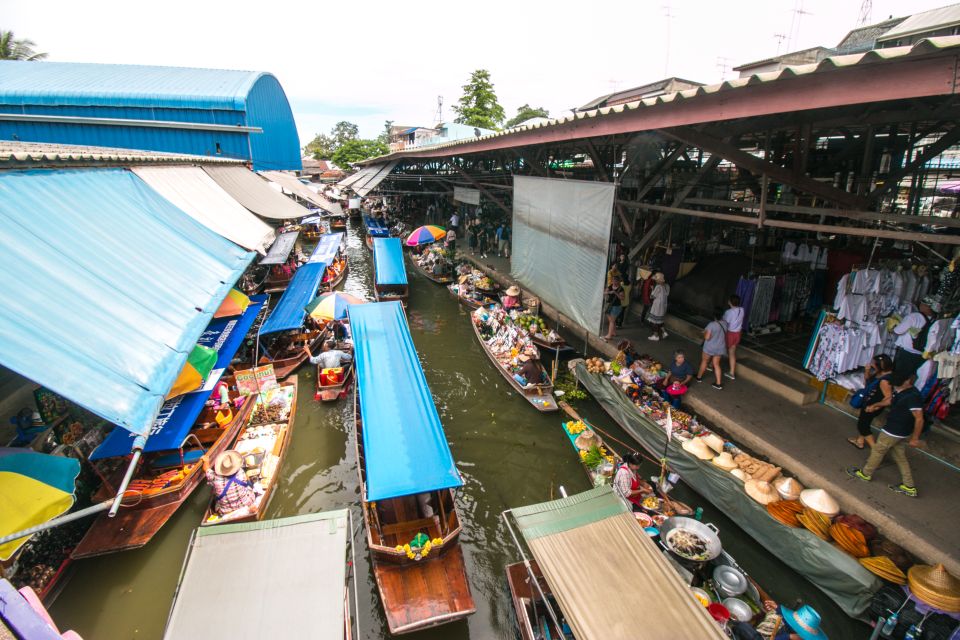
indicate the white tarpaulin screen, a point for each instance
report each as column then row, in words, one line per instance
column 469, row 196
column 561, row 235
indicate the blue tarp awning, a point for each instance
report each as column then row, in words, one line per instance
column 327, row 248
column 375, row 228
column 281, row 248
column 291, row 311
column 404, row 447
column 107, row 286
column 178, row 415
column 388, row 261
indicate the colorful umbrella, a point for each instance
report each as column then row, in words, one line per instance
column 332, row 306
column 234, row 304
column 195, row 370
column 425, row 235
column 34, row 488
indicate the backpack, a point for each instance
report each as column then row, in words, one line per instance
column 859, row 399
column 938, row 402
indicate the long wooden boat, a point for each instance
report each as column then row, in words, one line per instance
column 539, row 395
column 446, row 278
column 416, row 594
column 284, row 431
column 153, row 499
column 336, row 272
column 386, row 293
column 338, row 223
column 532, row 618
column 287, row 354
column 469, row 297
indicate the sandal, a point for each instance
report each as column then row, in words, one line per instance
column 853, row 441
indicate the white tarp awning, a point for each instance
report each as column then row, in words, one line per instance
column 197, row 195
column 255, row 193
column 293, row 185
column 375, row 175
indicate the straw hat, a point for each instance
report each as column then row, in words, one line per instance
column 761, row 491
column 698, row 448
column 739, row 474
column 714, row 441
column 725, row 461
column 513, row 291
column 788, row 488
column 819, row 500
column 523, row 357
column 587, row 440
column 228, row 463
column 935, row 586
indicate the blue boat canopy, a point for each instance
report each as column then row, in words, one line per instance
column 405, row 449
column 108, row 287
column 327, row 248
column 178, row 415
column 375, row 228
column 388, row 261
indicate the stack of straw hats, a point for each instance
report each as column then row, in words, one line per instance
column 697, row 447
column 935, row 586
column 761, row 491
column 819, row 500
column 788, row 488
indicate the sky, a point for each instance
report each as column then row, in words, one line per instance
column 368, row 61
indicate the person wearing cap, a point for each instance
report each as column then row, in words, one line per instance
column 330, row 358
column 903, row 428
column 801, row 624
column 658, row 306
column 231, row 489
column 511, row 300
column 627, row 483
column 912, row 336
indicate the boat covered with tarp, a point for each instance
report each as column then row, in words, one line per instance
column 389, row 270
column 407, row 477
column 607, row 575
column 259, row 579
column 275, row 269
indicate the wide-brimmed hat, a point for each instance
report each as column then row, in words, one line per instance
column 228, row 463
column 935, row 586
column 805, row 621
column 739, row 474
column 713, row 441
column 819, row 500
column 934, row 302
column 761, row 491
column 587, row 440
column 698, row 448
column 725, row 461
column 513, row 291
column 788, row 488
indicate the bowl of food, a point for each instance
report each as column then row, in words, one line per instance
column 644, row 520
column 702, row 596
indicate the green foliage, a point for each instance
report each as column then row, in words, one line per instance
column 384, row 136
column 321, row 147
column 357, row 150
column 13, row 49
column 571, row 391
column 344, row 132
column 478, row 107
column 525, row 113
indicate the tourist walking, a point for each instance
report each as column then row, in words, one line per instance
column 503, row 244
column 733, row 317
column 658, row 306
column 714, row 346
column 472, row 240
column 903, row 428
column 450, row 243
column 623, row 266
column 455, row 221
column 483, row 240
column 646, row 290
column 876, row 395
column 614, row 301
column 912, row 336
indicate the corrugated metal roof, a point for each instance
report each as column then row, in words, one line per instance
column 882, row 56
column 20, row 154
column 864, row 38
column 255, row 193
column 123, row 85
column 920, row 22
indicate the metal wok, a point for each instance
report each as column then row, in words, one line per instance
column 707, row 532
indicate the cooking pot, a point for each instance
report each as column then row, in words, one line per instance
column 729, row 582
column 706, row 531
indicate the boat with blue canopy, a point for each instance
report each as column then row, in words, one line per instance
column 407, row 477
column 187, row 430
column 376, row 228
column 389, row 270
column 282, row 336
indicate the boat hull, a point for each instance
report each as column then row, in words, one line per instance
column 540, row 397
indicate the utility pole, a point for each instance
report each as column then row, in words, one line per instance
column 668, row 12
column 438, row 118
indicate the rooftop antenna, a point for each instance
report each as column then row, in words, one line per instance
column 779, row 37
column 866, row 8
column 723, row 64
column 438, row 118
column 798, row 14
column 668, row 12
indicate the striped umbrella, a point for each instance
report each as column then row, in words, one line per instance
column 195, row 370
column 332, row 305
column 425, row 235
column 34, row 488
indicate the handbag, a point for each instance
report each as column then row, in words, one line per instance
column 859, row 399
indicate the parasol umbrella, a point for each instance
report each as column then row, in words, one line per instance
column 195, row 370
column 425, row 235
column 234, row 304
column 34, row 488
column 332, row 305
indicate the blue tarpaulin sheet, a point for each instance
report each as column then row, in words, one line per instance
column 291, row 311
column 177, row 415
column 375, row 228
column 405, row 449
column 327, row 248
column 107, row 286
column 281, row 248
column 388, row 261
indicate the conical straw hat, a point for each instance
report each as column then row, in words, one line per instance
column 725, row 461
column 761, row 491
column 714, row 441
column 788, row 488
column 586, row 440
column 935, row 586
column 819, row 500
column 698, row 448
column 740, row 474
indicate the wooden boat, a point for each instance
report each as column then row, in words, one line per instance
column 338, row 223
column 369, row 242
column 550, row 346
column 336, row 274
column 532, row 618
column 312, row 231
column 286, row 352
column 149, row 509
column 540, row 395
column 468, row 297
column 330, row 392
column 254, row 279
column 386, row 293
column 446, row 278
column 416, row 594
column 284, row 430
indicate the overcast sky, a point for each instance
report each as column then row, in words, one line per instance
column 370, row 61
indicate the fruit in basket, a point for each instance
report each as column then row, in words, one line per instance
column 595, row 365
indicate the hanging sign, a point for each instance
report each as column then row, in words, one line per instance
column 252, row 381
column 468, row 196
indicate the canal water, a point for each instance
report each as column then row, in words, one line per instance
column 509, row 455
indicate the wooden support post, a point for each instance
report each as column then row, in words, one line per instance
column 481, row 188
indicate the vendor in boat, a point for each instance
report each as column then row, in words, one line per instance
column 630, row 354
column 512, row 299
column 801, row 624
column 530, row 369
column 330, row 357
column 338, row 330
column 231, row 489
column 627, row 483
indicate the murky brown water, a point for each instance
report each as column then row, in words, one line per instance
column 509, row 455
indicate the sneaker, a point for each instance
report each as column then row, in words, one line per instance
column 730, row 376
column 910, row 492
column 664, row 334
column 718, row 387
column 654, row 338
column 699, row 379
column 856, row 472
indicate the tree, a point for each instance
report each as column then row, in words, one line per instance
column 321, row 147
column 478, row 106
column 357, row 150
column 384, row 136
column 13, row 49
column 343, row 132
column 525, row 113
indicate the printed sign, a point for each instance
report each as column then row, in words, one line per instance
column 252, row 381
